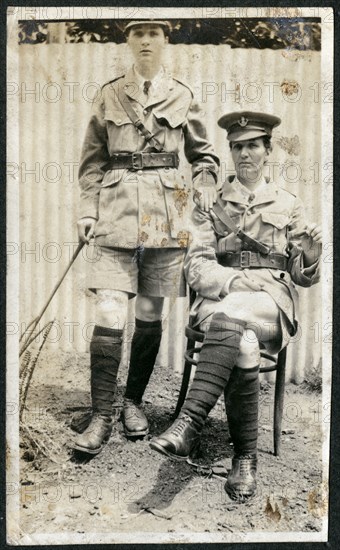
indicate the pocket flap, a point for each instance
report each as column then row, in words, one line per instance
column 170, row 178
column 278, row 220
column 174, row 118
column 112, row 177
column 117, row 116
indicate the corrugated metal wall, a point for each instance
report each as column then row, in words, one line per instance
column 56, row 85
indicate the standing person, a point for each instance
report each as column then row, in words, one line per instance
column 134, row 201
column 244, row 282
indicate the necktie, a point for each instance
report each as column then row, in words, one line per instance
column 147, row 85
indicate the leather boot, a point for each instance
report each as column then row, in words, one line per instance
column 92, row 440
column 105, row 351
column 180, row 441
column 134, row 419
column 241, row 481
column 241, row 399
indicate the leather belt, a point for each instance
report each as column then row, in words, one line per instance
column 246, row 258
column 138, row 161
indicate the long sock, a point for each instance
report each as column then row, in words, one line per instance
column 242, row 404
column 217, row 358
column 144, row 349
column 105, row 351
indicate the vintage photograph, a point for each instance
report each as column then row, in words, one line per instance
column 169, row 274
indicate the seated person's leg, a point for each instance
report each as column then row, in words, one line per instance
column 242, row 400
column 217, row 358
column 226, row 344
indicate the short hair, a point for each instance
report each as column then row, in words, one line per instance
column 265, row 139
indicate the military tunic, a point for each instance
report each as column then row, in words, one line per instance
column 148, row 207
column 269, row 215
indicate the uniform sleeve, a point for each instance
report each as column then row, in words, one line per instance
column 202, row 271
column 94, row 155
column 301, row 275
column 198, row 150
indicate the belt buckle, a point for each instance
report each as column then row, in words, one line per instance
column 245, row 257
column 137, row 161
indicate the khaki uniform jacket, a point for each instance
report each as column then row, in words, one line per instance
column 269, row 218
column 151, row 206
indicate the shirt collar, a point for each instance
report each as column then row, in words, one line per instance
column 155, row 81
column 234, row 191
column 244, row 189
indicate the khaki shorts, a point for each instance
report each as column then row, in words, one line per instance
column 154, row 272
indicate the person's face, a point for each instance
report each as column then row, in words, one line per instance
column 249, row 157
column 147, row 43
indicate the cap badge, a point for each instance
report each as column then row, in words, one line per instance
column 243, row 121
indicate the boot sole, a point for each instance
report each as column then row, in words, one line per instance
column 135, row 435
column 163, row 451
column 88, row 451
column 238, row 497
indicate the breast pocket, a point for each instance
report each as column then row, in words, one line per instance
column 220, row 227
column 274, row 229
column 117, row 117
column 122, row 134
column 173, row 119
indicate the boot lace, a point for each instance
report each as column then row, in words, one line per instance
column 181, row 425
column 132, row 410
column 245, row 463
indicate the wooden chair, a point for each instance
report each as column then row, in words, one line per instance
column 277, row 364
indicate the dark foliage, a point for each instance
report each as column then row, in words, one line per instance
column 278, row 33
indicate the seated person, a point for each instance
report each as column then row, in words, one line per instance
column 246, row 295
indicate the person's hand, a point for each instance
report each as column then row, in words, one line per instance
column 310, row 240
column 205, row 197
column 315, row 233
column 86, row 229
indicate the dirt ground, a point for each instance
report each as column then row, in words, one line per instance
column 130, row 489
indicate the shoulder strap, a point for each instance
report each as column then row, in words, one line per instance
column 253, row 244
column 133, row 116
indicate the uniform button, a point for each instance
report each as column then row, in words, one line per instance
column 119, row 120
column 139, row 172
column 145, row 112
column 248, row 213
column 282, row 275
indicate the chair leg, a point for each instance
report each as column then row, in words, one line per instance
column 279, row 398
column 185, row 381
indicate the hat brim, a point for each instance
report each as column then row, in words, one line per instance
column 157, row 23
column 243, row 125
column 243, row 135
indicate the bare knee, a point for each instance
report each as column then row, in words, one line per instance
column 149, row 308
column 249, row 355
column 111, row 308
